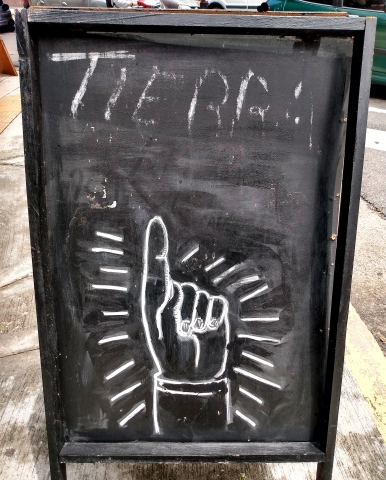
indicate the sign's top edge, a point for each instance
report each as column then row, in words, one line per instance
column 340, row 24
column 189, row 12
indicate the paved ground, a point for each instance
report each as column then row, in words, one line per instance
column 369, row 278
column 361, row 450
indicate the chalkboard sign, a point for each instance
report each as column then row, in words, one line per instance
column 193, row 186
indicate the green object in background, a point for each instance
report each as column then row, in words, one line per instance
column 362, row 8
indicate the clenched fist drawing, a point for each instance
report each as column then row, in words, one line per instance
column 186, row 327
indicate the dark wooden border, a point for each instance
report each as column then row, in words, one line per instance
column 191, row 452
column 187, row 21
column 198, row 11
column 41, row 262
column 348, row 221
column 39, row 21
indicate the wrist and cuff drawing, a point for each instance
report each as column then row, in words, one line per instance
column 206, row 399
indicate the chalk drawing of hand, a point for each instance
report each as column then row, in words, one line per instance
column 187, row 328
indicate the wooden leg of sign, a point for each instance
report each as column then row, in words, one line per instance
column 57, row 469
column 63, row 472
column 324, row 470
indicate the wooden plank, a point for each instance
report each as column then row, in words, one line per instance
column 37, row 220
column 197, row 452
column 205, row 12
column 350, row 194
column 183, row 20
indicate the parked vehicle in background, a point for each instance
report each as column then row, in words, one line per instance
column 180, row 4
column 7, row 23
column 232, row 4
column 65, row 3
column 362, row 8
column 149, row 3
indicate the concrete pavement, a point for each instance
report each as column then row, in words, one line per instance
column 369, row 278
column 361, row 450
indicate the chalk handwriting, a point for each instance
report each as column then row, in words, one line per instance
column 146, row 97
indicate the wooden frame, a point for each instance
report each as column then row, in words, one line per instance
column 35, row 22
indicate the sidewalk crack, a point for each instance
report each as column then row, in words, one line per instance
column 20, row 352
column 373, row 207
column 16, row 280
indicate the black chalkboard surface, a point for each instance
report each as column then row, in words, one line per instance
column 189, row 191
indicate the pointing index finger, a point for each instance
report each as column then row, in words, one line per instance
column 157, row 286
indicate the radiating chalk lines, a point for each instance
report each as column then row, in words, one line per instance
column 131, row 414
column 221, row 273
column 110, row 269
column 125, row 369
column 246, row 287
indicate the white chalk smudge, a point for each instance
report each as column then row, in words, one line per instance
column 134, row 412
column 144, row 96
column 311, row 121
column 116, row 238
column 190, row 254
column 259, row 319
column 245, row 418
column 214, row 264
column 116, row 93
column 125, row 392
column 298, row 90
column 107, row 250
column 65, row 57
column 121, row 313
column 114, row 270
column 251, row 375
column 249, row 394
column 83, row 86
column 259, row 111
column 149, row 99
column 120, row 369
column 217, row 110
column 113, row 338
column 109, row 287
column 297, row 120
column 257, row 359
column 193, row 104
column 226, row 273
column 211, row 107
column 242, row 92
column 263, row 82
column 258, row 338
column 225, row 80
